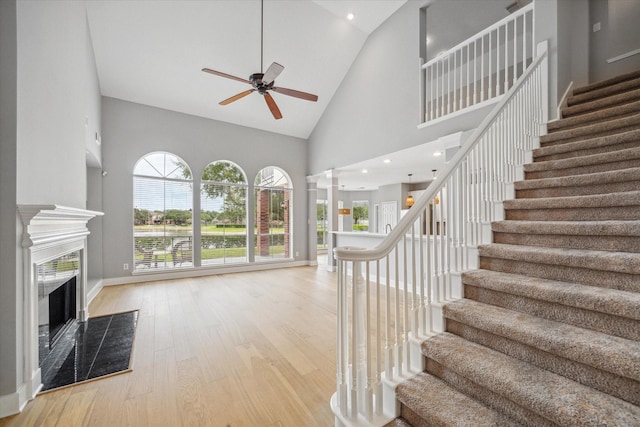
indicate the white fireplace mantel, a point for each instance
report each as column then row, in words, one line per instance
column 49, row 232
column 53, row 223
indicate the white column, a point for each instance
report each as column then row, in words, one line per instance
column 312, row 220
column 332, row 216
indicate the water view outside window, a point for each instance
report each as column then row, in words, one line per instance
column 162, row 222
column 272, row 200
column 223, row 214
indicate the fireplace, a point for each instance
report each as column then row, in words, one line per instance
column 57, row 300
column 54, row 242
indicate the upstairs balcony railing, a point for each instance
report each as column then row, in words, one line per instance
column 479, row 69
column 390, row 298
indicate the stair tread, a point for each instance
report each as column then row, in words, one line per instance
column 620, row 262
column 613, row 354
column 443, row 407
column 600, row 141
column 618, row 175
column 612, row 111
column 570, row 228
column 610, row 301
column 607, row 82
column 605, row 126
column 600, row 103
column 627, row 198
column 604, row 92
column 588, row 160
column 555, row 397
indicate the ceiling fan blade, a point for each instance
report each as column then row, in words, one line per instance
column 229, row 76
column 272, row 73
column 236, row 97
column 272, row 106
column 296, row 93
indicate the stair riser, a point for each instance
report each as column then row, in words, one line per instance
column 604, row 92
column 628, row 213
column 623, row 388
column 588, row 151
column 582, row 170
column 596, row 242
column 582, row 190
column 600, row 104
column 593, row 118
column 486, row 396
column 585, row 276
column 588, row 319
column 414, row 419
column 583, row 133
column 608, row 82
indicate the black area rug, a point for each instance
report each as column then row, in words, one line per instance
column 98, row 347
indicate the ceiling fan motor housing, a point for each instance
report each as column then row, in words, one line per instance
column 256, row 82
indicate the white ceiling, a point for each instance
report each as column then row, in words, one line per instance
column 151, row 52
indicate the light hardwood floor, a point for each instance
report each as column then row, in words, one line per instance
column 247, row 349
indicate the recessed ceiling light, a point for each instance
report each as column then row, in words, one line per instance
column 350, row 16
column 387, row 160
column 437, row 154
column 364, row 171
column 428, row 40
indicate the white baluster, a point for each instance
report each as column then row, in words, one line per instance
column 482, row 70
column 515, row 50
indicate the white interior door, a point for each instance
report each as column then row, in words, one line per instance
column 389, row 215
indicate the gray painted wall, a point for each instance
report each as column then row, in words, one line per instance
column 45, row 80
column 131, row 131
column 10, row 293
column 95, row 239
column 376, row 108
column 93, row 104
column 52, row 90
column 619, row 34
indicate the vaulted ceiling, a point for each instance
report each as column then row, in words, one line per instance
column 152, row 53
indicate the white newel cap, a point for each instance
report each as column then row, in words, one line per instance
column 53, row 223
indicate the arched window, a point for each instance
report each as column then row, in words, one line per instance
column 223, row 214
column 163, row 206
column 273, row 195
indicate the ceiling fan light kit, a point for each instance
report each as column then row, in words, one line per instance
column 263, row 82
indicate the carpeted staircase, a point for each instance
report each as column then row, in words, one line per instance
column 548, row 333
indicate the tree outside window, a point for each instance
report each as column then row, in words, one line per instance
column 360, row 215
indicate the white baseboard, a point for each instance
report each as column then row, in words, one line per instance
column 623, row 56
column 14, row 403
column 11, row 404
column 201, row 271
column 95, row 291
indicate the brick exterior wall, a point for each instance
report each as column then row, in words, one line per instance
column 262, row 221
column 287, row 246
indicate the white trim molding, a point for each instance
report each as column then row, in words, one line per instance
column 623, row 56
column 50, row 231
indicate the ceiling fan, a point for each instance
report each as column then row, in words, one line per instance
column 263, row 82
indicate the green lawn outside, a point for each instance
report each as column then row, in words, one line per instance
column 219, row 253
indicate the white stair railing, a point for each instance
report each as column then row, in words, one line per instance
column 389, row 298
column 480, row 68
